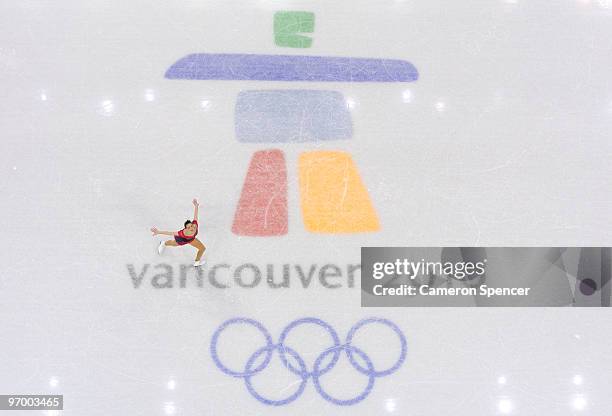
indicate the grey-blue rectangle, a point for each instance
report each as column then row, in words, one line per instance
column 31, row 402
column 486, row 276
column 282, row 116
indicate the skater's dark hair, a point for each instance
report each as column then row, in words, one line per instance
column 187, row 223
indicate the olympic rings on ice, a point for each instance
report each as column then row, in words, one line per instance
column 289, row 358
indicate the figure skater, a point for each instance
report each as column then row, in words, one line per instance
column 185, row 236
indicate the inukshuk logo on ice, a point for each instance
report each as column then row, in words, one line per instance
column 332, row 196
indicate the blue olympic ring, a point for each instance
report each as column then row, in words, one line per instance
column 215, row 339
column 316, row 321
column 335, row 350
column 303, row 372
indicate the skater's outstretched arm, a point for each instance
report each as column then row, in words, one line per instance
column 195, row 211
column 155, row 231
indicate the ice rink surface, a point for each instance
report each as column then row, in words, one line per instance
column 503, row 140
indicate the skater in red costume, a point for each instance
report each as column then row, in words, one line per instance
column 185, row 236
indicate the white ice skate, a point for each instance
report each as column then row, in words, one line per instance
column 199, row 263
column 161, row 247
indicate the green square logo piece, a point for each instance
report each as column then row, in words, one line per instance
column 288, row 25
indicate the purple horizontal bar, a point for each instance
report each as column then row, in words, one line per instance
column 291, row 68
